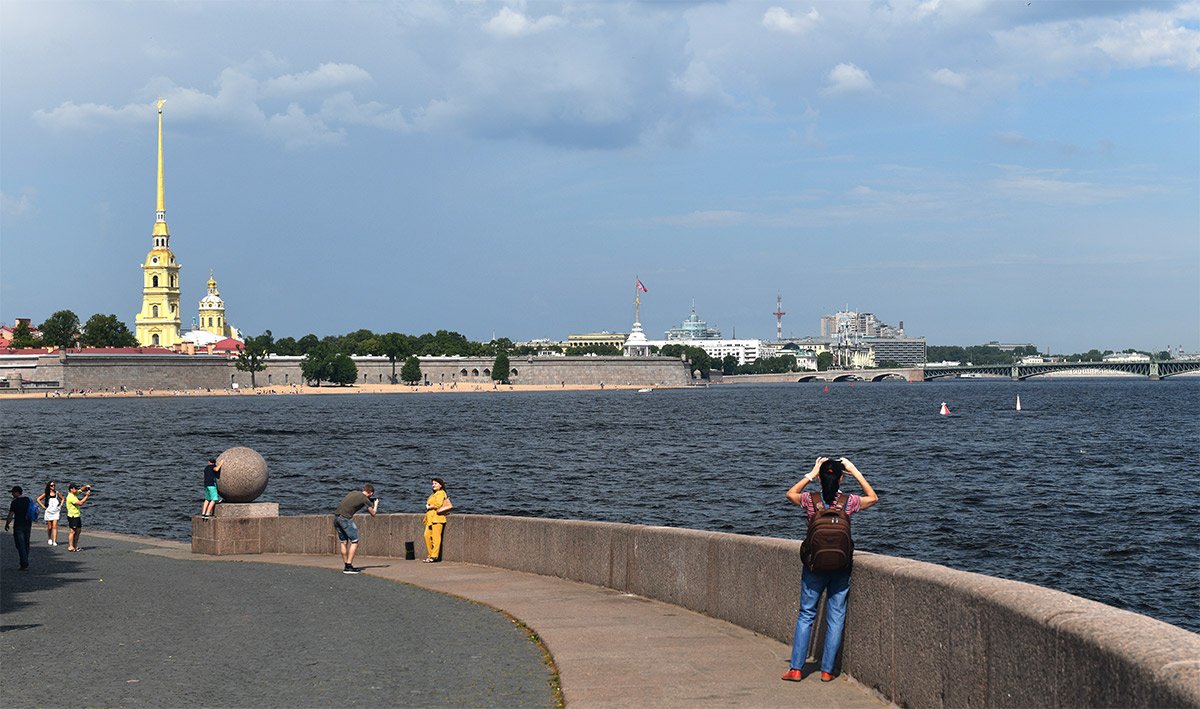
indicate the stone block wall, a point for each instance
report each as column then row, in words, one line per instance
column 922, row 635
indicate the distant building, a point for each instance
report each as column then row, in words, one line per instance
column 1126, row 357
column 612, row 339
column 158, row 323
column 851, row 323
column 904, row 351
column 693, row 329
column 1009, row 347
column 745, row 351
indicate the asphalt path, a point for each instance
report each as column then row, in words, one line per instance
column 110, row 626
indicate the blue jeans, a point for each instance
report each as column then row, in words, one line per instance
column 347, row 530
column 836, row 584
column 21, row 534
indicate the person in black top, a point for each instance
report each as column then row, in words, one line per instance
column 20, row 514
column 211, row 474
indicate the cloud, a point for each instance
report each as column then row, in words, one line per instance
column 508, row 23
column 1047, row 187
column 16, row 206
column 778, row 19
column 948, row 78
column 848, row 78
column 242, row 100
column 326, row 77
column 1011, row 138
column 704, row 218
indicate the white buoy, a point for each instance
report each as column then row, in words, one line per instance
column 1018, row 402
column 945, row 409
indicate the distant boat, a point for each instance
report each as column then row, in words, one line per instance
column 826, row 388
column 643, row 391
column 1018, row 402
column 945, row 409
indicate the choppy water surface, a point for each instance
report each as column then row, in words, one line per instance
column 1090, row 489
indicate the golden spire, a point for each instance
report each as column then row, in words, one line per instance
column 160, row 214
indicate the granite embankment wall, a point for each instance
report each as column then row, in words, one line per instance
column 83, row 370
column 922, row 635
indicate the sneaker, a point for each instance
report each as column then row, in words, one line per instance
column 351, row 570
column 826, row 677
column 793, row 675
column 50, row 542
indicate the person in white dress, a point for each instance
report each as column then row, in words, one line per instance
column 51, row 501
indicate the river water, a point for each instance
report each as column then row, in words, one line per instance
column 1090, row 489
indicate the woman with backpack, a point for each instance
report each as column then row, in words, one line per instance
column 827, row 554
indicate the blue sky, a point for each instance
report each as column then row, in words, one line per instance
column 1015, row 171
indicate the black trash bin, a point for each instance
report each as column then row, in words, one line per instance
column 410, row 551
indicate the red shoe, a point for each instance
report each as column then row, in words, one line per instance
column 826, row 677
column 793, row 675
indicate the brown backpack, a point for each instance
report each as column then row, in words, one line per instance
column 828, row 545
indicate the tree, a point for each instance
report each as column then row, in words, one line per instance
column 286, row 346
column 22, row 336
column 60, row 329
column 252, row 355
column 315, row 365
column 729, row 364
column 305, row 344
column 394, row 347
column 106, row 331
column 824, row 361
column 887, row 364
column 342, row 370
column 501, row 368
column 1162, row 356
column 410, row 373
column 606, row 350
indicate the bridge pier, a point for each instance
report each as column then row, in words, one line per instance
column 1154, row 374
column 1016, row 373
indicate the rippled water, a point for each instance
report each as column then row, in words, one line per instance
column 1089, row 489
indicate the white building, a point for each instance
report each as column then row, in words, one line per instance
column 745, row 351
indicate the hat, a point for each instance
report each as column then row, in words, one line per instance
column 16, row 488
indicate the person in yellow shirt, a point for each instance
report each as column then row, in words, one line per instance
column 436, row 508
column 74, row 516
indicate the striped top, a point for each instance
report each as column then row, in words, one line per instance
column 854, row 504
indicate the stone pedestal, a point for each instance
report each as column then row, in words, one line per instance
column 246, row 509
column 237, row 528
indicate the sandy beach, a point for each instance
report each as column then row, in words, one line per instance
column 291, row 390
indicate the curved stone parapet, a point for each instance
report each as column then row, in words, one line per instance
column 923, row 635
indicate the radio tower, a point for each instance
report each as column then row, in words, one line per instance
column 778, row 315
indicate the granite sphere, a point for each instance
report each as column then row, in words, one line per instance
column 243, row 475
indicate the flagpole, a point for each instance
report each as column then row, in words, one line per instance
column 637, row 299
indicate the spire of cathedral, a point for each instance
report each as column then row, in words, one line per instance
column 162, row 237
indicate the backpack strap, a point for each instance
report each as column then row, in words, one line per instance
column 817, row 503
column 841, row 502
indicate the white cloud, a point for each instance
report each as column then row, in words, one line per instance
column 949, row 78
column 326, row 77
column 778, row 19
column 848, row 78
column 705, row 218
column 343, row 108
column 508, row 23
column 1048, row 187
column 1011, row 138
column 16, row 206
column 239, row 99
column 297, row 129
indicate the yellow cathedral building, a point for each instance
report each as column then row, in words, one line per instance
column 159, row 322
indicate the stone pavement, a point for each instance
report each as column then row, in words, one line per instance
column 113, row 627
column 610, row 649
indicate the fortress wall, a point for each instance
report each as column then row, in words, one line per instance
column 182, row 372
column 134, row 372
column 921, row 634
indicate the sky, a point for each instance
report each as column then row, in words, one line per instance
column 1012, row 171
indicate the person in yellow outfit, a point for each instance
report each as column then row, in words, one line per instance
column 436, row 508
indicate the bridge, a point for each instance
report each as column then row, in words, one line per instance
column 1153, row 370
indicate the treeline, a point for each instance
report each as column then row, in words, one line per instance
column 62, row 329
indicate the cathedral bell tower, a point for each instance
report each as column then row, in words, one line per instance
column 159, row 321
column 212, row 311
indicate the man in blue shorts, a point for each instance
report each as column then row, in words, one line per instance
column 212, row 473
column 343, row 523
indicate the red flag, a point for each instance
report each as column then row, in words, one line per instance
column 641, row 287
